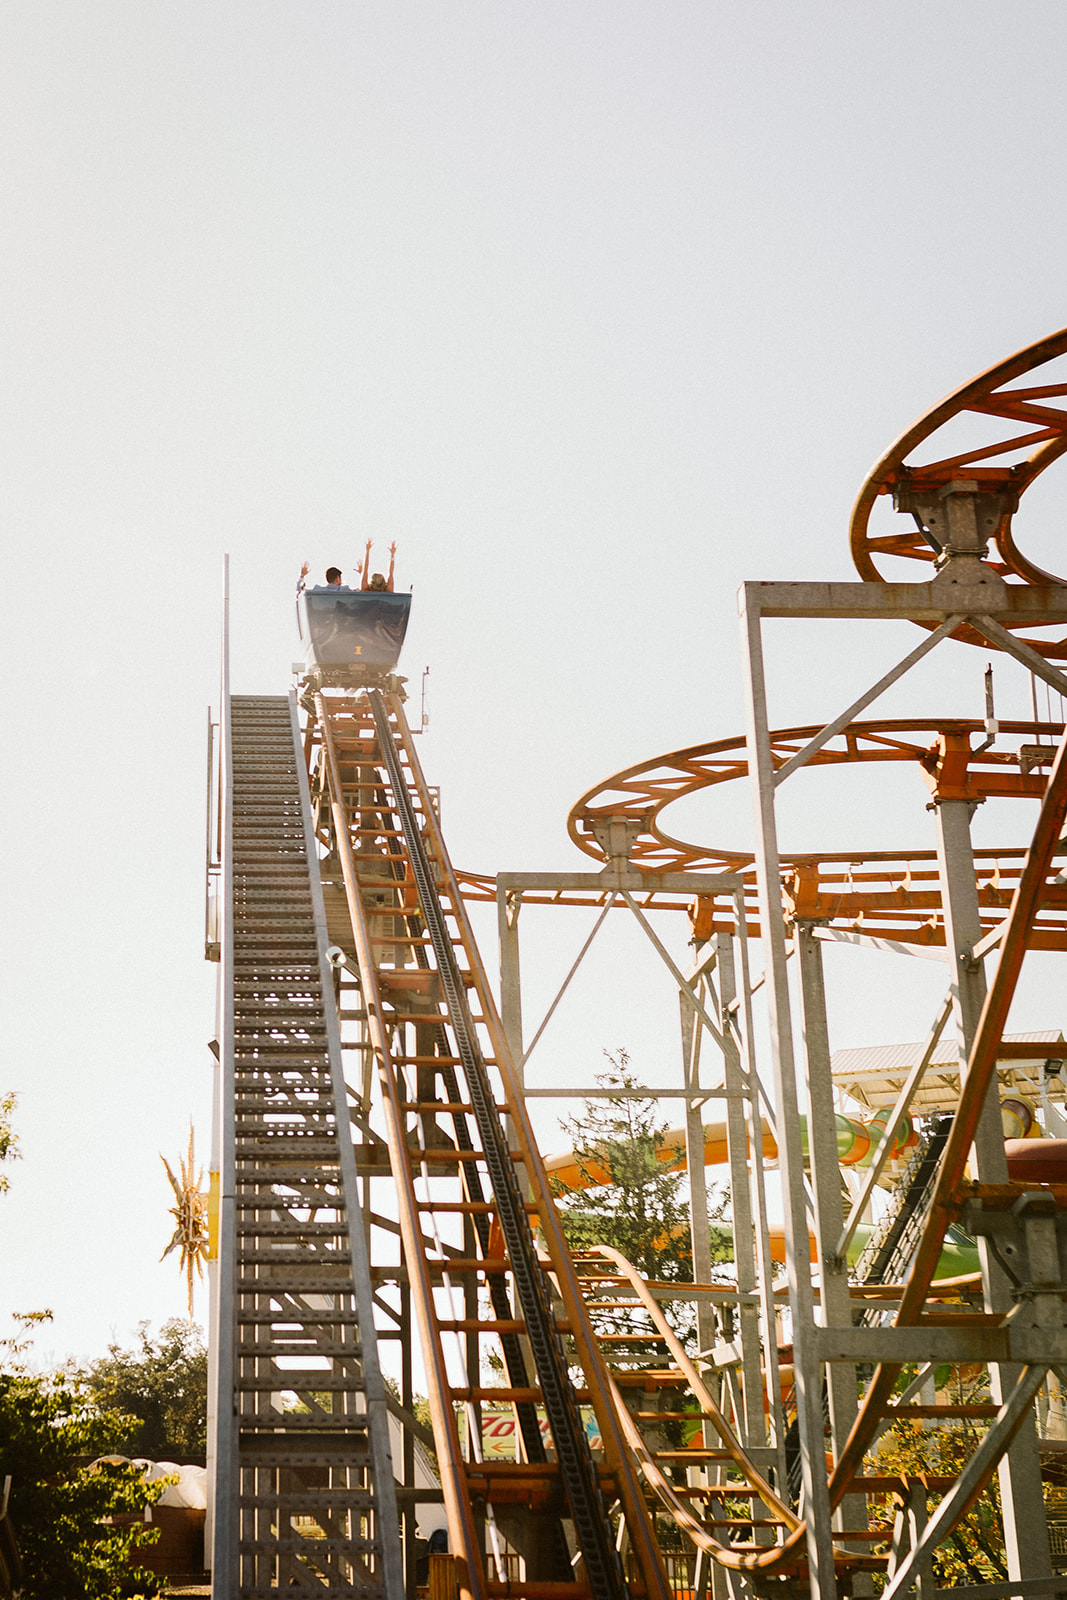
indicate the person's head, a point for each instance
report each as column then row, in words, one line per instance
column 378, row 581
column 333, row 574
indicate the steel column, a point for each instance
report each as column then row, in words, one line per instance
column 224, row 1560
column 764, row 1267
column 1022, row 1502
column 807, row 1371
column 823, row 1164
column 699, row 1224
column 508, row 906
column 755, row 1427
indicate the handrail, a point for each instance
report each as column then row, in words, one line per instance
column 757, row 1482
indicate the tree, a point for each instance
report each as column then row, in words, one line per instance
column 8, row 1136
column 633, row 1201
column 974, row 1551
column 161, row 1386
column 48, row 1426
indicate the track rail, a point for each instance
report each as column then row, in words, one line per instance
column 1000, row 463
column 605, row 1271
column 886, row 894
column 482, row 1247
column 532, row 1289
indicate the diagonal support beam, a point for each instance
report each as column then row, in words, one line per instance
column 908, row 1088
column 676, row 972
column 565, row 985
column 1001, row 639
column 896, row 947
column 824, row 736
column 980, row 1070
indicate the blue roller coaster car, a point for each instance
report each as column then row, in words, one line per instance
column 359, row 629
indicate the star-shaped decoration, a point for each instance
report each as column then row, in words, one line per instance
column 190, row 1214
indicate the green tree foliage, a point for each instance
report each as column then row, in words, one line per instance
column 633, row 1201
column 161, row 1386
column 8, row 1136
column 974, row 1550
column 60, row 1508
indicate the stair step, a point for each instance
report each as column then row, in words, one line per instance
column 310, row 1175
column 301, row 1382
column 320, row 1347
column 311, row 1549
column 360, row 1591
column 317, row 1318
column 312, row 1500
column 280, row 1256
column 297, row 1282
column 279, row 1149
column 285, row 1230
column 337, row 1424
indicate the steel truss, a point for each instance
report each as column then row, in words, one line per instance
column 960, row 909
column 437, row 1229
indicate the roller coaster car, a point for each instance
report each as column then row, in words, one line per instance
column 362, row 631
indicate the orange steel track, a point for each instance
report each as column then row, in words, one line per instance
column 997, row 464
column 887, row 894
column 447, row 1084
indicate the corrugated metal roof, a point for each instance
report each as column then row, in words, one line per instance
column 873, row 1074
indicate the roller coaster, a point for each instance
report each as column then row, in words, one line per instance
column 378, row 1189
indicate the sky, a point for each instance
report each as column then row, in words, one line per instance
column 598, row 311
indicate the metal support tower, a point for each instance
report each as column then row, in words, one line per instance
column 984, row 591
column 1022, row 1503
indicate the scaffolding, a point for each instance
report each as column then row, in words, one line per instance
column 768, row 1485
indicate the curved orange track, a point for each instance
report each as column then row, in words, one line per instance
column 1001, row 459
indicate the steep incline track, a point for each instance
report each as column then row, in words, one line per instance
column 491, row 1280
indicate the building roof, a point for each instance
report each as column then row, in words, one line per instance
column 874, row 1074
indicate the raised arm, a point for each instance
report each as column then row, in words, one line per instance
column 364, row 582
column 300, row 582
column 392, row 559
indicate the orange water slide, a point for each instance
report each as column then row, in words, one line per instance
column 857, row 1143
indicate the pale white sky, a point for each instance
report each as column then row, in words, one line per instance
column 596, row 309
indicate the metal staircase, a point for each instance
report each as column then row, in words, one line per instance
column 305, row 1497
column 888, row 1252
